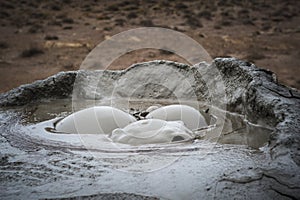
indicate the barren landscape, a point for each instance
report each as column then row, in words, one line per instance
column 226, row 129
column 41, row 38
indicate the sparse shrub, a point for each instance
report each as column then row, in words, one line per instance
column 211, row 7
column 123, row 3
column 247, row 22
column 277, row 19
column 132, row 15
column 66, row 1
column 33, row 51
column 37, row 15
column 29, row 22
column 225, row 13
column 217, row 26
column 68, row 27
column 103, row 17
column 225, row 22
column 35, row 28
column 51, row 37
column 3, row 45
column 243, row 13
column 55, row 7
column 166, row 4
column 112, row 8
column 181, row 6
column 68, row 20
column 6, row 5
column 131, row 7
column 266, row 27
column 61, row 16
column 205, row 14
column 146, row 23
column 88, row 9
column 108, row 28
column 4, row 14
column 193, row 22
column 54, row 23
column 32, row 4
column 119, row 22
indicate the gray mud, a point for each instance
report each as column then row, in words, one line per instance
column 256, row 157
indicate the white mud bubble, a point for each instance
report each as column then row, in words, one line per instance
column 95, row 120
column 191, row 117
column 119, row 125
column 152, row 131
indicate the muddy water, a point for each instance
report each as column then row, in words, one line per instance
column 39, row 163
column 224, row 127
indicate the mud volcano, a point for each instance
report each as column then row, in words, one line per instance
column 248, row 150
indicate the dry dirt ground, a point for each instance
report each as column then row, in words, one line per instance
column 41, row 38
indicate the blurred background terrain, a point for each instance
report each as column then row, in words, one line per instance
column 41, row 38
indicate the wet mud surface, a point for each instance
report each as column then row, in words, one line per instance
column 34, row 166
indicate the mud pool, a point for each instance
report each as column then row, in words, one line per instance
column 95, row 162
column 250, row 151
column 223, row 127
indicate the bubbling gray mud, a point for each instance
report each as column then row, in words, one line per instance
column 254, row 156
column 237, row 129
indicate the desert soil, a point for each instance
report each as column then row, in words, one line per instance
column 41, row 38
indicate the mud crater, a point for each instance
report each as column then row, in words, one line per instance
column 254, row 154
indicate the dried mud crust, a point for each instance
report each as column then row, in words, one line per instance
column 40, row 39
